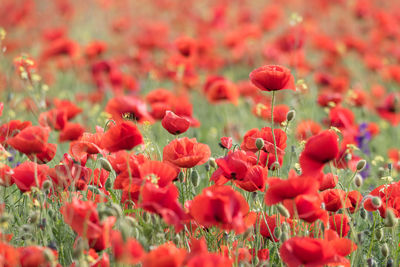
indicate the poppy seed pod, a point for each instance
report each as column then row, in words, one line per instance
column 361, row 165
column 291, row 115
column 259, row 143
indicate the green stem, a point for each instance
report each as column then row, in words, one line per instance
column 272, row 125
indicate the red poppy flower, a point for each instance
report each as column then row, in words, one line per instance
column 272, row 78
column 9, row 256
column 71, row 132
column 29, row 174
column 268, row 225
column 47, row 155
column 335, row 199
column 126, row 252
column 54, row 118
column 394, row 157
column 341, row 118
column 280, row 189
column 390, row 109
column 355, row 199
column 83, row 218
column 305, row 251
column 87, row 144
column 328, row 181
column 240, row 167
column 340, row 224
column 220, row 206
column 129, row 107
column 164, row 202
column 186, row 153
column 165, row 255
column 11, row 129
column 123, row 135
column 308, row 208
column 30, row 140
column 34, row 256
column 209, row 260
column 313, row 158
column 6, row 175
column 306, row 129
column 249, row 144
column 226, row 142
column 218, row 89
column 175, row 124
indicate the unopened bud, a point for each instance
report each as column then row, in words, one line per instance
column 34, row 217
column 291, row 115
column 358, row 181
column 259, row 143
column 385, row 250
column 379, row 234
column 381, row 172
column 283, row 211
column 363, row 213
column 275, row 165
column 376, row 202
column 195, row 178
column 105, row 164
column 181, row 176
column 390, row 220
column 285, row 236
column 47, row 184
column 212, row 162
column 361, row 165
column 277, row 232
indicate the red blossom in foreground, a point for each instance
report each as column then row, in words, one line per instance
column 124, row 135
column 186, row 153
column 272, row 78
column 220, row 206
column 175, row 124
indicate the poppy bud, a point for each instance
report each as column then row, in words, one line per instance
column 275, row 165
column 390, row 220
column 385, row 250
column 80, row 246
column 379, row 234
column 124, row 230
column 181, row 176
column 361, row 165
column 247, row 233
column 195, row 178
column 116, row 210
column 358, row 181
column 34, row 217
column 212, row 162
column 48, row 255
column 285, row 236
column 360, row 238
column 105, row 164
column 283, row 211
column 285, row 227
column 363, row 213
column 291, row 115
column 371, row 262
column 277, row 232
column 47, row 184
column 390, row 167
column 381, row 172
column 259, row 143
column 131, row 221
column 376, row 202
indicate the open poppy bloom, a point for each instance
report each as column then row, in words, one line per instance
column 186, row 153
column 272, row 78
column 31, row 140
column 28, row 175
column 165, row 255
column 319, row 150
column 123, row 135
column 220, row 206
column 175, row 124
column 305, row 251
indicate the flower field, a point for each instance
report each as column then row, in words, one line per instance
column 167, row 133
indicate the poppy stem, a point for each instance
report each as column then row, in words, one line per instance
column 272, row 125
